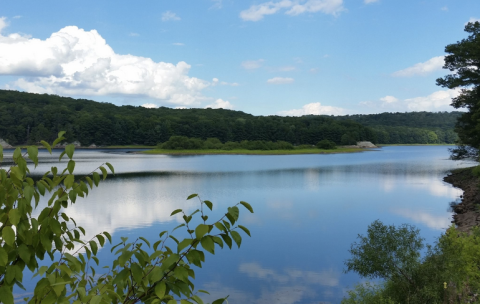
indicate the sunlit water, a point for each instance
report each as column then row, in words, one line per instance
column 308, row 210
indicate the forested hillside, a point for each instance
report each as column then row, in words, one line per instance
column 411, row 127
column 27, row 118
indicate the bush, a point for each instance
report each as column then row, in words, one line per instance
column 326, row 144
column 393, row 255
column 160, row 273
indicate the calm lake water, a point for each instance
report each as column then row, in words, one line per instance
column 308, row 210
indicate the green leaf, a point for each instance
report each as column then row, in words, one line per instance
column 183, row 244
column 247, row 205
column 24, row 253
column 94, row 247
column 244, row 229
column 172, row 302
column 3, row 257
column 1, row 153
column 201, row 230
column 69, row 149
column 8, row 235
column 208, row 244
column 197, row 299
column 68, row 181
column 61, row 133
column 14, row 216
column 47, row 146
column 109, row 237
column 104, row 172
column 33, row 154
column 160, row 289
column 6, row 295
column 41, row 188
column 176, row 211
column 209, row 204
column 181, row 273
column 71, row 166
column 96, row 178
column 234, row 212
column 226, row 238
column 236, row 237
column 101, row 239
column 137, row 272
column 110, row 167
column 192, row 196
column 61, row 155
column 220, row 301
column 145, row 240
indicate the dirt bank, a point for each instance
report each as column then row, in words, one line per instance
column 467, row 213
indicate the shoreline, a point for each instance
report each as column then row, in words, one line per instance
column 466, row 213
column 252, row 152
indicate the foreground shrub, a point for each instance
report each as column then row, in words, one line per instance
column 155, row 271
column 393, row 254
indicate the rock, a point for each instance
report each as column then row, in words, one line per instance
column 365, row 144
column 4, row 144
column 92, row 146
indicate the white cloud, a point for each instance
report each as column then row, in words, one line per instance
column 17, row 17
column 217, row 4
column 437, row 101
column 252, row 64
column 73, row 61
column 432, row 221
column 370, row 1
column 133, row 34
column 170, row 16
column 293, row 7
column 3, row 23
column 473, row 20
column 314, row 70
column 315, row 108
column 291, row 276
column 220, row 103
column 388, row 99
column 422, row 68
column 280, row 80
column 178, row 44
column 149, row 105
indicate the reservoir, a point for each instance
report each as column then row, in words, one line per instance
column 308, row 210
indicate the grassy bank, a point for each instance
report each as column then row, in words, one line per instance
column 388, row 145
column 252, row 152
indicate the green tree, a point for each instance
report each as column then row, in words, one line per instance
column 142, row 271
column 463, row 60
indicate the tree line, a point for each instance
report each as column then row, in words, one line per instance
column 26, row 118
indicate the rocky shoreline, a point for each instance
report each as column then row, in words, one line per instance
column 467, row 212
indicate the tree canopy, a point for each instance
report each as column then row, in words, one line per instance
column 463, row 60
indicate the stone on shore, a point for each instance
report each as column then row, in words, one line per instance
column 4, row 144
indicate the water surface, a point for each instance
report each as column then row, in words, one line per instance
column 308, row 210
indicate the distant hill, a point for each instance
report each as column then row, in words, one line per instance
column 409, row 127
column 28, row 118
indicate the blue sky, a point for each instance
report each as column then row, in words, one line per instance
column 286, row 57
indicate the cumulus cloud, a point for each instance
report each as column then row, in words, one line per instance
column 422, row 68
column 473, row 20
column 252, row 64
column 170, row 16
column 73, row 61
column 437, row 101
column 315, row 108
column 149, row 105
column 280, row 80
column 220, row 104
column 291, row 276
column 389, row 99
column 292, row 7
